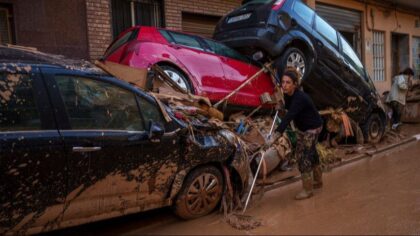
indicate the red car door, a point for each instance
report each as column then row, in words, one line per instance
column 205, row 67
column 237, row 69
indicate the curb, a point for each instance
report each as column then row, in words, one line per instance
column 291, row 180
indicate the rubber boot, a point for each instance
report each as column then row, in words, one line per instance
column 307, row 187
column 317, row 177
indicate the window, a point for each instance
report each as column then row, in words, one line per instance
column 150, row 112
column 416, row 57
column 304, row 12
column 126, row 14
column 182, row 39
column 352, row 57
column 92, row 104
column 378, row 56
column 224, row 50
column 326, row 30
column 6, row 23
column 18, row 110
column 125, row 38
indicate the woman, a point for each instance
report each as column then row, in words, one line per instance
column 397, row 96
column 302, row 111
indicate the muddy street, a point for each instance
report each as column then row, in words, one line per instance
column 377, row 195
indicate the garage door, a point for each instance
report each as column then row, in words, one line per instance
column 198, row 24
column 346, row 21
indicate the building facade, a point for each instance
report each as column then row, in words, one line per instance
column 386, row 34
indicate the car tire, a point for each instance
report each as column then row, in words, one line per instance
column 373, row 129
column 296, row 58
column 178, row 77
column 200, row 193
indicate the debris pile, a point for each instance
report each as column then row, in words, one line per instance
column 411, row 113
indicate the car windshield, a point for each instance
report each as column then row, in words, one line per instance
column 248, row 2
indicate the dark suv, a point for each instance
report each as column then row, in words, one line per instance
column 77, row 145
column 292, row 34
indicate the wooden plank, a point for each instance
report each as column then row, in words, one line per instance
column 131, row 75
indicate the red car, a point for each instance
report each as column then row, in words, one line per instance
column 200, row 65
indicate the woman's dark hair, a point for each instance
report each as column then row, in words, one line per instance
column 293, row 75
column 407, row 71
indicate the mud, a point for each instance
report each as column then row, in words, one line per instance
column 378, row 195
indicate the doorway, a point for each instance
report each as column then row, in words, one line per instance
column 400, row 52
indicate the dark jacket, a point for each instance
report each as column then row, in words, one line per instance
column 302, row 111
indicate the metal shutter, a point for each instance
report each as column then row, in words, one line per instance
column 202, row 25
column 341, row 19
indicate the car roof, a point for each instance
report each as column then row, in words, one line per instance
column 23, row 55
column 18, row 56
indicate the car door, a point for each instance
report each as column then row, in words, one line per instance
column 237, row 69
column 355, row 75
column 204, row 66
column 162, row 157
column 327, row 74
column 32, row 159
column 103, row 133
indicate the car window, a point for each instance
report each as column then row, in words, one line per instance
column 150, row 112
column 118, row 43
column 351, row 56
column 304, row 12
column 185, row 40
column 92, row 104
column 18, row 110
column 326, row 30
column 223, row 50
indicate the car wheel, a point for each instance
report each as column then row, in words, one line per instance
column 294, row 57
column 200, row 193
column 373, row 129
column 178, row 77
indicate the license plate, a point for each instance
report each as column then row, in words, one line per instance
column 239, row 18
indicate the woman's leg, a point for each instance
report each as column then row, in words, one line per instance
column 307, row 158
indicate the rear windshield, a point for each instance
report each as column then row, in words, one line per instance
column 121, row 41
column 255, row 1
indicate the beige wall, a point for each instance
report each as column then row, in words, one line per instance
column 384, row 20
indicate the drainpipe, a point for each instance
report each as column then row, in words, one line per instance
column 367, row 17
column 133, row 13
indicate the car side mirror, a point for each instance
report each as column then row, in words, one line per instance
column 156, row 131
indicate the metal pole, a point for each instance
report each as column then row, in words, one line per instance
column 259, row 165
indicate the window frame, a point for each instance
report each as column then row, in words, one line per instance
column 172, row 39
column 300, row 15
column 111, row 85
column 375, row 45
column 40, row 96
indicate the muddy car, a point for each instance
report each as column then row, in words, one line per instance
column 292, row 34
column 78, row 145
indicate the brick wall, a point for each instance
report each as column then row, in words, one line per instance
column 174, row 9
column 99, row 27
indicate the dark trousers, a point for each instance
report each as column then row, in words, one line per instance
column 397, row 109
column 306, row 154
